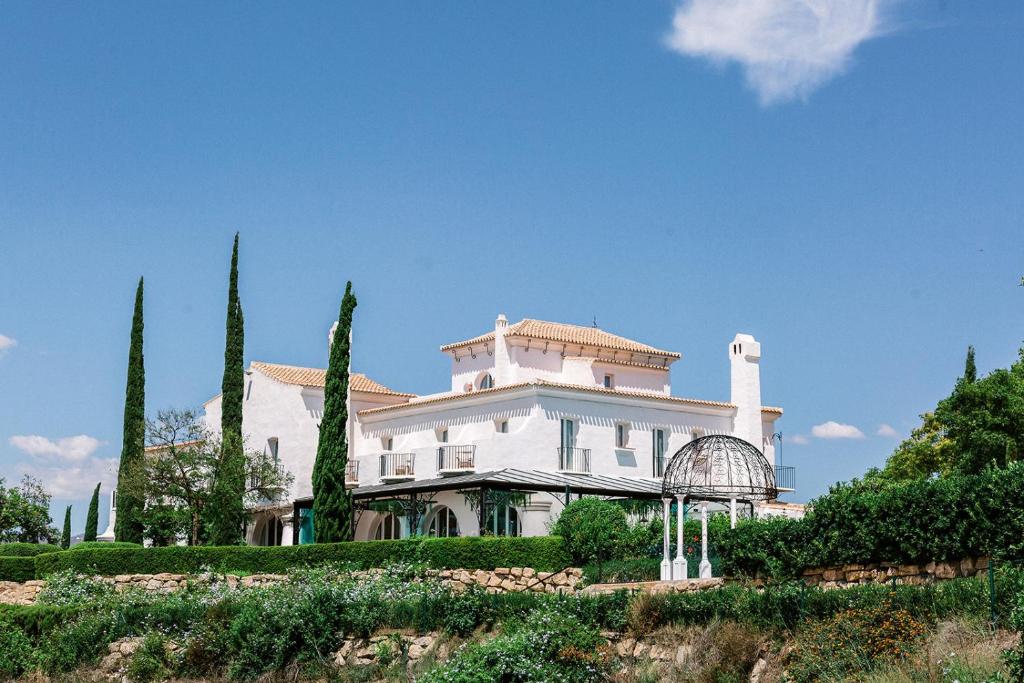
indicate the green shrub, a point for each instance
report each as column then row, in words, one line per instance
column 151, row 661
column 26, row 549
column 17, row 568
column 545, row 553
column 66, row 589
column 773, row 546
column 104, row 545
column 17, row 654
column 592, row 528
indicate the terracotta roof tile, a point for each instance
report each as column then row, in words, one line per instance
column 567, row 334
column 317, row 377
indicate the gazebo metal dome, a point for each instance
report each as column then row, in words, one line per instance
column 720, row 467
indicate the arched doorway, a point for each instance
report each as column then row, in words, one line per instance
column 389, row 528
column 442, row 523
column 270, row 531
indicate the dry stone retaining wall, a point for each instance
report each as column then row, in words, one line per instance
column 887, row 572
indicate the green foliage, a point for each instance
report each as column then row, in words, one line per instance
column 927, row 452
column 548, row 646
column 1014, row 658
column 130, row 476
column 104, row 545
column 26, row 549
column 151, row 662
column 68, row 589
column 544, row 553
column 226, row 510
column 92, row 517
column 916, row 521
column 25, row 513
column 65, row 537
column 17, row 568
column 332, row 503
column 592, row 528
column 17, row 654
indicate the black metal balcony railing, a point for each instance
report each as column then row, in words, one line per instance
column 785, row 478
column 451, row 458
column 393, row 465
column 352, row 473
column 573, row 459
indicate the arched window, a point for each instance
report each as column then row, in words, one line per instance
column 389, row 528
column 443, row 523
column 486, row 381
column 502, row 521
column 271, row 531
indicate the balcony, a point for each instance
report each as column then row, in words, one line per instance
column 397, row 467
column 574, row 460
column 785, row 478
column 352, row 474
column 455, row 459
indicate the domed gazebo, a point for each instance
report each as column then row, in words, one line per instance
column 716, row 467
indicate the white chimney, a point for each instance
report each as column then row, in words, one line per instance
column 745, row 358
column 502, row 365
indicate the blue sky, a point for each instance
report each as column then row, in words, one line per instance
column 845, row 187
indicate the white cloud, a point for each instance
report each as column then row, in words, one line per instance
column 787, row 48
column 71, row 448
column 836, row 430
column 800, row 440
column 7, row 343
column 887, row 431
column 71, row 482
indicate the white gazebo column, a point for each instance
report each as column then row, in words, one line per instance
column 732, row 513
column 705, row 564
column 679, row 565
column 666, row 565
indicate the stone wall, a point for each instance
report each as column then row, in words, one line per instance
column 500, row 580
column 887, row 572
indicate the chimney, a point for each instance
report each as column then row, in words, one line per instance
column 745, row 358
column 502, row 365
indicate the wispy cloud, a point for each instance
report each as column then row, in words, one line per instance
column 6, row 344
column 70, row 448
column 836, row 430
column 787, row 48
column 887, row 431
column 799, row 439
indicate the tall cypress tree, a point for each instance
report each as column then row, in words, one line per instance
column 970, row 370
column 228, row 508
column 130, row 483
column 332, row 504
column 92, row 518
column 65, row 537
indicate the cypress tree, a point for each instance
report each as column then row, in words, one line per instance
column 228, row 509
column 332, row 504
column 65, row 538
column 130, row 484
column 970, row 370
column 92, row 518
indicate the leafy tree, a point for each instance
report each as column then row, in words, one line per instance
column 130, row 484
column 25, row 513
column 227, row 510
column 592, row 529
column 92, row 518
column 926, row 452
column 181, row 468
column 332, row 504
column 970, row 369
column 65, row 537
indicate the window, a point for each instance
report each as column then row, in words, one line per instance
column 658, row 439
column 248, row 390
column 442, row 435
column 503, row 426
column 388, row 443
column 389, row 528
column 486, row 382
column 502, row 521
column 443, row 524
column 622, row 435
column 609, row 381
column 272, row 531
column 272, row 444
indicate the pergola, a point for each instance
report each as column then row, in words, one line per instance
column 712, row 468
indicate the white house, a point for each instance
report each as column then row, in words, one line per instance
column 536, row 412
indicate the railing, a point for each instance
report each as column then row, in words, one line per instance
column 456, row 458
column 574, row 459
column 352, row 473
column 785, row 478
column 397, row 465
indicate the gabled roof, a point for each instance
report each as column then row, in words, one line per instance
column 317, row 377
column 567, row 334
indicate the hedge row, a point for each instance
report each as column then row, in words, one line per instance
column 26, row 549
column 914, row 523
column 17, row 568
column 544, row 553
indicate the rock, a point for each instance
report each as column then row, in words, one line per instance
column 502, row 571
column 624, row 648
column 661, row 653
column 759, row 666
column 944, row 570
column 683, row 654
column 640, row 649
column 529, row 572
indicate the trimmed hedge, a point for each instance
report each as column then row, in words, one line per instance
column 104, row 545
column 26, row 549
column 544, row 553
column 18, row 568
column 915, row 522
